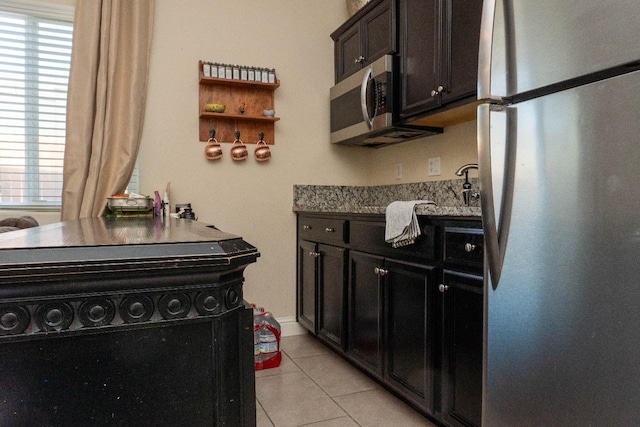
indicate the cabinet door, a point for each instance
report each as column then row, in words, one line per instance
column 460, row 54
column 371, row 37
column 365, row 311
column 420, row 57
column 347, row 53
column 462, row 357
column 378, row 32
column 410, row 343
column 331, row 294
column 307, row 281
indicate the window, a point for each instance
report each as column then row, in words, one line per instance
column 35, row 53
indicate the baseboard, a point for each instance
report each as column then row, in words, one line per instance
column 289, row 327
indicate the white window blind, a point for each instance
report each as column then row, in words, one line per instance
column 35, row 52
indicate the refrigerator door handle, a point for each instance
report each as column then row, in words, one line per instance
column 495, row 231
column 485, row 50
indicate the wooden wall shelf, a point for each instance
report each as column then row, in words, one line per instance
column 255, row 95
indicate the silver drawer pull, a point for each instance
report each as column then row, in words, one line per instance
column 306, row 227
column 469, row 247
column 329, row 230
column 443, row 288
column 314, row 254
column 380, row 271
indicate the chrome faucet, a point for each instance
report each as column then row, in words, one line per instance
column 467, row 193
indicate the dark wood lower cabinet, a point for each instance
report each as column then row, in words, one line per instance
column 409, row 317
column 391, row 324
column 331, row 294
column 365, row 311
column 462, row 349
column 307, row 273
column 410, row 330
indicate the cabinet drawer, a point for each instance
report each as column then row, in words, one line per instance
column 368, row 236
column 332, row 230
column 464, row 246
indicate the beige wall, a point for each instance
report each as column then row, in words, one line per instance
column 250, row 199
column 455, row 147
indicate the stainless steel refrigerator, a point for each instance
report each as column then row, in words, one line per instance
column 559, row 167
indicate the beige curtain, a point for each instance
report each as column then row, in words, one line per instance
column 106, row 101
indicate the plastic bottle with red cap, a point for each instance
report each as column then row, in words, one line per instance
column 266, row 339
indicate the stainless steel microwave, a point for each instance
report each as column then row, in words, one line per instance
column 364, row 108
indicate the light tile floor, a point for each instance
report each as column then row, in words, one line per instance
column 315, row 387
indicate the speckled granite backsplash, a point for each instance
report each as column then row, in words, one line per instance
column 447, row 194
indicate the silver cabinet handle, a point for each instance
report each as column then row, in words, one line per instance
column 443, row 288
column 314, row 254
column 469, row 247
column 329, row 230
column 437, row 91
column 359, row 60
column 380, row 271
column 306, row 227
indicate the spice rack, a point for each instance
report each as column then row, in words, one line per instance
column 256, row 97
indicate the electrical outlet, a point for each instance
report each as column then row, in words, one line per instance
column 434, row 166
column 398, row 170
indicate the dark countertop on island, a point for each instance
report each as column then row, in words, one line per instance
column 118, row 244
column 112, row 231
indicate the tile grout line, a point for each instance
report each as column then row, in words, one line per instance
column 323, row 390
column 265, row 412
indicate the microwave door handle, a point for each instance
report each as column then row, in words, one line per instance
column 363, row 97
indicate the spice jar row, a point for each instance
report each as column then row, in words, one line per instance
column 238, row 72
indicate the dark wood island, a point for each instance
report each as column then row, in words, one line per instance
column 125, row 322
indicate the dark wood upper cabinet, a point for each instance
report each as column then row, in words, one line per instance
column 460, row 53
column 420, row 58
column 365, row 37
column 438, row 55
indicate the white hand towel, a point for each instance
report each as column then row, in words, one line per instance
column 402, row 226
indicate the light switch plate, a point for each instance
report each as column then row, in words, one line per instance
column 434, row 166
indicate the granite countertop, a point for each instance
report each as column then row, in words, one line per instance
column 374, row 199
